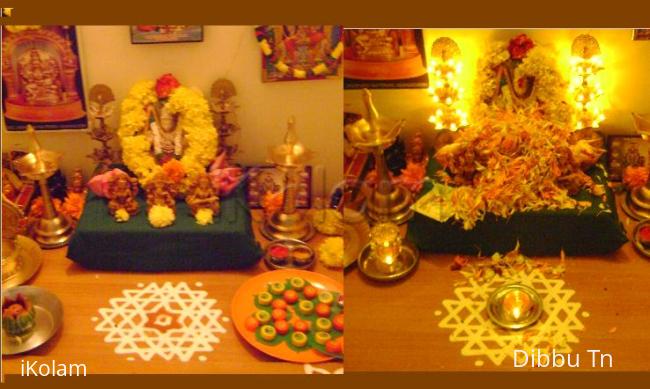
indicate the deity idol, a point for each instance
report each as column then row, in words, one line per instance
column 166, row 135
column 41, row 79
column 203, row 195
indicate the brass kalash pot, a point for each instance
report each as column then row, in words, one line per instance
column 52, row 229
column 374, row 134
column 289, row 158
column 637, row 201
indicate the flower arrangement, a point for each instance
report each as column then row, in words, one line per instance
column 513, row 162
column 526, row 62
column 194, row 119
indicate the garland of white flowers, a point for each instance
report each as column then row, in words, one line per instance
column 194, row 120
column 539, row 63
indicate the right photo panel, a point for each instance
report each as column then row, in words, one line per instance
column 497, row 203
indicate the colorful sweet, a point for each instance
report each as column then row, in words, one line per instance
column 310, row 292
column 337, row 322
column 277, row 288
column 295, row 313
column 18, row 315
column 281, row 326
column 306, row 307
column 263, row 316
column 268, row 332
column 121, row 192
column 301, row 326
column 323, row 310
column 265, row 298
column 326, row 297
column 334, row 346
column 251, row 323
column 290, row 296
column 323, row 324
column 321, row 337
column 298, row 339
column 279, row 314
column 203, row 196
column 279, row 304
column 297, row 283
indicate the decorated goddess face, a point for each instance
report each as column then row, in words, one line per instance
column 167, row 120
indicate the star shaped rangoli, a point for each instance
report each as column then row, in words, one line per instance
column 162, row 320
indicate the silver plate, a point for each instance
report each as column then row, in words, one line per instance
column 291, row 245
column 49, row 317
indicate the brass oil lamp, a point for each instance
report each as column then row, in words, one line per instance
column 52, row 230
column 289, row 158
column 373, row 134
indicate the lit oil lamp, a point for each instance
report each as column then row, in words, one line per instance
column 387, row 257
column 514, row 306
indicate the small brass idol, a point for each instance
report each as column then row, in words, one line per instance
column 287, row 222
column 202, row 196
column 373, row 134
column 52, row 229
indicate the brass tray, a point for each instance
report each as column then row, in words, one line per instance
column 49, row 317
column 637, row 240
column 291, row 245
column 22, row 263
column 409, row 258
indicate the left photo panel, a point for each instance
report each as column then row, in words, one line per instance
column 171, row 199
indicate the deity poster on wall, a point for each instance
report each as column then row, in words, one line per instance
column 165, row 33
column 41, row 78
column 296, row 52
column 384, row 59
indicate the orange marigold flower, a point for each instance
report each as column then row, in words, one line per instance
column 271, row 202
column 174, row 170
column 635, row 176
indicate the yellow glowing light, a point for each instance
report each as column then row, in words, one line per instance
column 443, row 75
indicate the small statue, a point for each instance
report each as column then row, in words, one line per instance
column 77, row 182
column 121, row 194
column 203, row 196
column 162, row 192
column 416, row 152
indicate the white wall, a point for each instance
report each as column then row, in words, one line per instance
column 232, row 52
column 626, row 78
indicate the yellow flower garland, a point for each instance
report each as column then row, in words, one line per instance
column 194, row 119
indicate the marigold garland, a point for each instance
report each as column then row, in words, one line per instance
column 194, row 120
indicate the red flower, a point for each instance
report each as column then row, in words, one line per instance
column 165, row 85
column 519, row 46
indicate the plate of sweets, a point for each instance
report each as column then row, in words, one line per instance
column 293, row 315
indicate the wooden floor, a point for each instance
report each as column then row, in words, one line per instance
column 83, row 292
column 393, row 326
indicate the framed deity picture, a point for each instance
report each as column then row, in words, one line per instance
column 296, row 52
column 641, row 34
column 164, row 33
column 384, row 59
column 624, row 151
column 266, row 179
column 42, row 82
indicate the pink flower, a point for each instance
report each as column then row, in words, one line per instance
column 99, row 184
column 224, row 178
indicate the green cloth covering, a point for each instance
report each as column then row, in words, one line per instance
column 589, row 231
column 100, row 242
